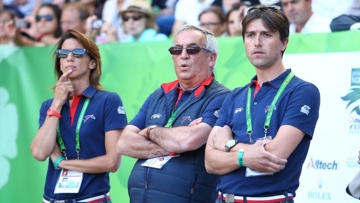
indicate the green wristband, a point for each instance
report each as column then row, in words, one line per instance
column 240, row 157
column 57, row 161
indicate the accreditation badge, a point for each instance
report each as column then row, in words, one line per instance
column 157, row 162
column 68, row 182
column 251, row 173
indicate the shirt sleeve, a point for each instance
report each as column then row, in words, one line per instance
column 303, row 111
column 223, row 114
column 140, row 119
column 211, row 113
column 115, row 115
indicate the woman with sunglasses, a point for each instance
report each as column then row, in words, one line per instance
column 139, row 22
column 7, row 28
column 45, row 27
column 79, row 127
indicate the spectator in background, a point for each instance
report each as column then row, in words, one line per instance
column 213, row 19
column 60, row 3
column 110, row 14
column 164, row 11
column 74, row 16
column 234, row 18
column 45, row 27
column 187, row 12
column 226, row 5
column 303, row 19
column 139, row 22
column 345, row 22
column 7, row 27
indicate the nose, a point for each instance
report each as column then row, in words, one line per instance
column 257, row 40
column 184, row 54
column 70, row 57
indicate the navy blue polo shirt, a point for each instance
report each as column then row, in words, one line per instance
column 104, row 113
column 297, row 106
column 207, row 116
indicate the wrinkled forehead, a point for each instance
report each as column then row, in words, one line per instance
column 189, row 37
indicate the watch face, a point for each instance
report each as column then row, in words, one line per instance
column 230, row 143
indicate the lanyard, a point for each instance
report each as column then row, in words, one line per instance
column 77, row 138
column 172, row 118
column 249, row 129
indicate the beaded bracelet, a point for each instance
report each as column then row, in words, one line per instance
column 57, row 161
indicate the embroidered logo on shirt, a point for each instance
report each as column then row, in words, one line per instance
column 237, row 110
column 121, row 110
column 305, row 109
column 157, row 115
column 217, row 113
column 87, row 117
column 185, row 118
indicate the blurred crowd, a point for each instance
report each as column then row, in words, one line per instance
column 41, row 22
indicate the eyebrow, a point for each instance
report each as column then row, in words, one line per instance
column 189, row 45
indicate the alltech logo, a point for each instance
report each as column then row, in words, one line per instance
column 319, row 164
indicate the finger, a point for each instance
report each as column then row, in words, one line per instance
column 64, row 77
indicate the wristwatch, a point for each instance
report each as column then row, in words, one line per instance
column 149, row 129
column 230, row 144
column 52, row 112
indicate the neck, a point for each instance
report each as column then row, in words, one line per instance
column 79, row 86
column 192, row 83
column 299, row 27
column 265, row 75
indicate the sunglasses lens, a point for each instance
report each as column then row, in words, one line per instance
column 47, row 17
column 137, row 17
column 78, row 53
column 125, row 18
column 193, row 50
column 62, row 53
column 175, row 51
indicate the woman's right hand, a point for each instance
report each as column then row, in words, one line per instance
column 63, row 90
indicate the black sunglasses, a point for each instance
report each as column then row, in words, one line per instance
column 189, row 50
column 47, row 17
column 264, row 8
column 134, row 17
column 77, row 53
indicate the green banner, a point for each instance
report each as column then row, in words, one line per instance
column 132, row 70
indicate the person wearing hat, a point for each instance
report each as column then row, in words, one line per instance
column 139, row 22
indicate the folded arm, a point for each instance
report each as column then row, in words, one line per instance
column 109, row 162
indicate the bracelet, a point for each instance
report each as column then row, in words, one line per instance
column 240, row 157
column 57, row 162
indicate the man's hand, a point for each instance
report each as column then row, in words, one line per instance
column 221, row 136
column 257, row 158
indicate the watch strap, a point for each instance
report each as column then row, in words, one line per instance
column 52, row 112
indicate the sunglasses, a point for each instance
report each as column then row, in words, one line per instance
column 77, row 53
column 189, row 50
column 135, row 18
column 262, row 8
column 47, row 17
